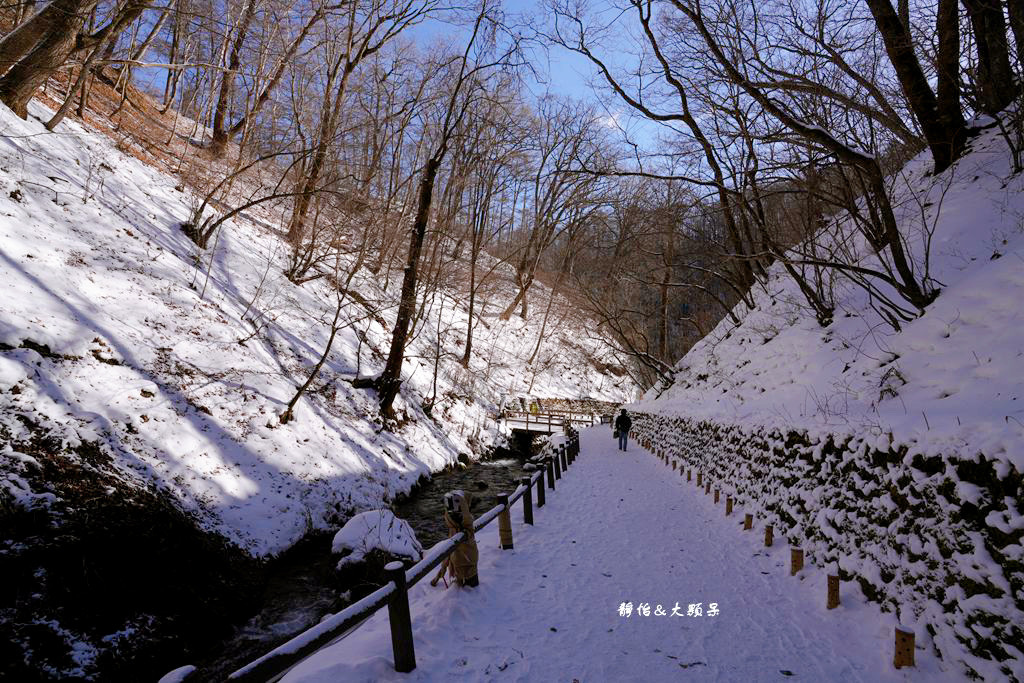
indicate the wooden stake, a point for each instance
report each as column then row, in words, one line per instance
column 707, row 488
column 768, row 530
column 748, row 522
column 716, row 496
column 401, row 623
column 833, row 592
column 700, row 475
column 728, row 505
column 540, row 488
column 527, row 500
column 904, row 653
column 504, row 524
column 796, row 560
column 689, row 475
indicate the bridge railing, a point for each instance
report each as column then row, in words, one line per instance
column 556, row 418
column 273, row 665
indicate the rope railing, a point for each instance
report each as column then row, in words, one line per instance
column 272, row 665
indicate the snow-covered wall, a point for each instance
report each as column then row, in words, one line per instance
column 936, row 540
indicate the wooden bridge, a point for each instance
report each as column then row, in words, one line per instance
column 549, row 422
column 553, row 415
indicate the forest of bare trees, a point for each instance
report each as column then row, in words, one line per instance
column 434, row 163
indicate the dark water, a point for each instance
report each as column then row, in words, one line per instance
column 486, row 480
column 302, row 586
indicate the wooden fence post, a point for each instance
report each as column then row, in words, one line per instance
column 716, row 496
column 796, row 560
column 540, row 487
column 401, row 623
column 768, row 530
column 832, row 600
column 707, row 487
column 700, row 476
column 689, row 474
column 504, row 524
column 561, row 457
column 558, row 468
column 527, row 500
column 748, row 522
column 551, row 472
column 904, row 649
column 728, row 505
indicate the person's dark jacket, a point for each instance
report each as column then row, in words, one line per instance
column 623, row 423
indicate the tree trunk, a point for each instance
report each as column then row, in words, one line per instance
column 947, row 66
column 663, row 307
column 390, row 381
column 945, row 140
column 20, row 83
column 52, row 18
column 1015, row 9
column 275, row 78
column 227, row 82
column 995, row 77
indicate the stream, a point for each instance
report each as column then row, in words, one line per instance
column 302, row 586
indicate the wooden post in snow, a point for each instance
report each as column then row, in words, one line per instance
column 527, row 500
column 832, row 599
column 904, row 648
column 504, row 524
column 401, row 622
column 796, row 560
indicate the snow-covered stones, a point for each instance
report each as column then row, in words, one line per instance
column 376, row 530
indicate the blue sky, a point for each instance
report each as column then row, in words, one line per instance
column 558, row 70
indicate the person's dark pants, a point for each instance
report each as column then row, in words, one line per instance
column 623, row 437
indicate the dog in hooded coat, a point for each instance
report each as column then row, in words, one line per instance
column 461, row 563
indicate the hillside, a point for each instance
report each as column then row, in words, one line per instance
column 139, row 371
column 949, row 381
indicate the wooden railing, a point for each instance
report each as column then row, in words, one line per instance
column 394, row 594
column 550, row 418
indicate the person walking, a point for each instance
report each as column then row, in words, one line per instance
column 622, row 425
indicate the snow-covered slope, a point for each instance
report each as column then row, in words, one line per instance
column 115, row 329
column 950, row 381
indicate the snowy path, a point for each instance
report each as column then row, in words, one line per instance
column 625, row 528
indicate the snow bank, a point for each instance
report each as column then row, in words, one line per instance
column 375, row 530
